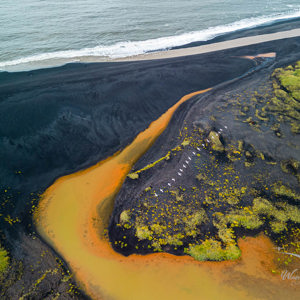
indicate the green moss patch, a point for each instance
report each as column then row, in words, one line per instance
column 282, row 190
column 212, row 250
column 4, row 260
column 215, row 141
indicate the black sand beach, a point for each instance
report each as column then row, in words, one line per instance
column 57, row 121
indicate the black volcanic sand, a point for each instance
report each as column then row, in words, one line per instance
column 57, row 121
column 213, row 188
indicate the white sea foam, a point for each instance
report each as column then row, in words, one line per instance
column 131, row 48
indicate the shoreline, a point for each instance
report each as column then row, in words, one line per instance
column 225, row 45
column 239, row 38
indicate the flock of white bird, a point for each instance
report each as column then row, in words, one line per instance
column 187, row 161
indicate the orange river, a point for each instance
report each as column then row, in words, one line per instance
column 73, row 215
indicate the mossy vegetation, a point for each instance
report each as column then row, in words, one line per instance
column 212, row 250
column 143, row 232
column 290, row 80
column 125, row 217
column 4, row 260
column 272, row 106
column 185, row 142
column 285, row 103
column 282, row 190
column 215, row 141
column 133, row 175
column 290, row 166
column 244, row 218
column 232, row 192
column 180, row 218
column 161, row 230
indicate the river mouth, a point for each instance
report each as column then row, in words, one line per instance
column 38, row 153
column 75, row 210
column 73, row 215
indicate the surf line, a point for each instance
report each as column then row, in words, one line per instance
column 73, row 213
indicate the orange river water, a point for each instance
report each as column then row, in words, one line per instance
column 73, row 215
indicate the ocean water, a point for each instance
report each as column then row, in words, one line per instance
column 44, row 32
